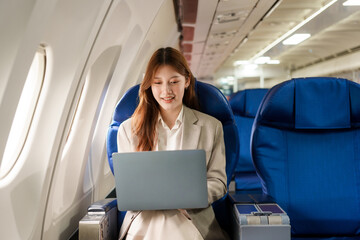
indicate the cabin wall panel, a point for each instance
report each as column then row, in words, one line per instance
column 130, row 37
column 71, row 37
column 71, row 181
column 24, row 191
column 22, row 23
column 82, row 39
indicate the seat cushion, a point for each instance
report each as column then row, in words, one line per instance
column 301, row 173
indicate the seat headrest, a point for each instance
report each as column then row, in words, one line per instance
column 312, row 103
column 213, row 102
column 246, row 102
column 127, row 105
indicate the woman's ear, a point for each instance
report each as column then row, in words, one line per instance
column 187, row 83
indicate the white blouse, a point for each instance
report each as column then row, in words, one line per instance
column 170, row 139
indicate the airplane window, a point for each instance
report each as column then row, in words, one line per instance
column 24, row 112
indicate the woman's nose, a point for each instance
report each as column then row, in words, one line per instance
column 167, row 88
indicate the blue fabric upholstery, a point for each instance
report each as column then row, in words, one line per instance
column 124, row 109
column 305, row 147
column 211, row 102
column 245, row 104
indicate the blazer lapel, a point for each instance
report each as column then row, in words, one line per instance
column 191, row 131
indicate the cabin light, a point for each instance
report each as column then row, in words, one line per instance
column 250, row 67
column 230, row 80
column 273, row 61
column 240, row 62
column 262, row 60
column 351, row 3
column 259, row 61
column 222, row 81
column 247, row 70
column 296, row 39
column 225, row 81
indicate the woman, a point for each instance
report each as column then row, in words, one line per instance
column 165, row 119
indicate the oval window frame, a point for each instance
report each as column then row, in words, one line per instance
column 24, row 112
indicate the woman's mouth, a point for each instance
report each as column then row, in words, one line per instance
column 168, row 99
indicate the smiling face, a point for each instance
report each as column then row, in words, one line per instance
column 168, row 87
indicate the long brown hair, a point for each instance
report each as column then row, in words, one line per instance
column 146, row 114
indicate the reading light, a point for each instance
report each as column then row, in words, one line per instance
column 351, row 3
column 296, row 39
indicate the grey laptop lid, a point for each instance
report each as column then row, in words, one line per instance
column 160, row 180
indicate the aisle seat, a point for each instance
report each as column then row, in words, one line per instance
column 306, row 149
column 245, row 104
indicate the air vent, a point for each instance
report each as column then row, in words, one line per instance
column 355, row 49
column 217, row 45
column 231, row 16
column 210, row 53
column 221, row 35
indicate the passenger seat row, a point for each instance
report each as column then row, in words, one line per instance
column 305, row 147
column 298, row 143
column 245, row 104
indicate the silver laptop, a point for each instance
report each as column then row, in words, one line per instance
column 160, row 180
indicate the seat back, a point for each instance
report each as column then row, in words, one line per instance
column 245, row 104
column 305, row 147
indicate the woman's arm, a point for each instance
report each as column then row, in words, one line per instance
column 216, row 174
column 124, row 136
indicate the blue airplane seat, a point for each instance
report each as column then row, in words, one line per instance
column 245, row 104
column 306, row 149
column 211, row 102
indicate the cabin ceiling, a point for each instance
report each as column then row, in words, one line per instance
column 215, row 33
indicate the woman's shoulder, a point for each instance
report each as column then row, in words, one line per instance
column 205, row 117
column 126, row 124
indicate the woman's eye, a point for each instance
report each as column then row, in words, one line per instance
column 174, row 82
column 156, row 82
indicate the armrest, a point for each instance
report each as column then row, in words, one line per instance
column 257, row 216
column 100, row 222
column 250, row 197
